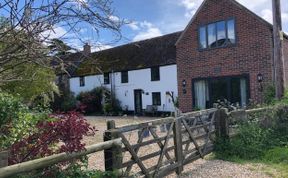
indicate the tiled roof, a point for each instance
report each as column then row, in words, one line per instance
column 157, row 51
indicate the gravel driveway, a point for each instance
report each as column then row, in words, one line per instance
column 201, row 168
column 222, row 169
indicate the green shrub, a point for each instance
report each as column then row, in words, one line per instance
column 264, row 131
column 10, row 106
column 79, row 169
column 269, row 94
column 250, row 143
column 277, row 155
column 108, row 108
column 113, row 107
column 65, row 102
column 17, row 121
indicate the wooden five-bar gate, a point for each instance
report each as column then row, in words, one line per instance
column 156, row 152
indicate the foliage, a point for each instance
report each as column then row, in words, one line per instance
column 65, row 102
column 38, row 85
column 262, row 132
column 62, row 133
column 277, row 155
column 17, row 120
column 58, row 47
column 250, row 143
column 92, row 100
column 269, row 94
column 25, row 36
column 9, row 108
column 77, row 169
column 112, row 106
column 176, row 102
column 80, row 170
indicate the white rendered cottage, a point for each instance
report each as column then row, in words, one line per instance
column 140, row 74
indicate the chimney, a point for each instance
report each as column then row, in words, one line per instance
column 87, row 49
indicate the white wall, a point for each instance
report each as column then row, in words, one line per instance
column 138, row 79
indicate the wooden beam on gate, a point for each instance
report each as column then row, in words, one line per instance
column 113, row 156
column 164, row 150
column 192, row 138
column 222, row 124
column 159, row 142
column 134, row 155
column 178, row 151
column 140, row 140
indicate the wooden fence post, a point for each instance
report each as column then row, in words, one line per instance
column 4, row 158
column 113, row 157
column 222, row 124
column 178, row 145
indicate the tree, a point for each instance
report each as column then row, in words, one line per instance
column 26, row 29
column 59, row 48
column 39, row 89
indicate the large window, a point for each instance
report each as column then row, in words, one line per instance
column 219, row 34
column 82, row 81
column 124, row 77
column 156, row 98
column 155, row 74
column 106, row 78
column 206, row 92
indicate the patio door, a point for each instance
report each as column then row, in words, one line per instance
column 206, row 92
column 138, row 102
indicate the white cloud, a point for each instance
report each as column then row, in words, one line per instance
column 56, row 32
column 255, row 4
column 133, row 25
column 114, row 18
column 148, row 30
column 267, row 15
column 263, row 8
column 190, row 6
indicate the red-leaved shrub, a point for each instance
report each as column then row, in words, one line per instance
column 63, row 133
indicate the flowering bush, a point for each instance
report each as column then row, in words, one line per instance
column 92, row 100
column 62, row 133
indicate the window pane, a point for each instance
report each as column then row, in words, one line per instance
column 82, row 81
column 221, row 33
column 106, row 78
column 156, row 99
column 231, row 31
column 202, row 38
column 124, row 77
column 201, row 90
column 212, row 35
column 155, row 74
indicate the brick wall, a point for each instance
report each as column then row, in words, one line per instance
column 251, row 55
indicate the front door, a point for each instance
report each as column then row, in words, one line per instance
column 138, row 101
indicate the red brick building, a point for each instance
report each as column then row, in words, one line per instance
column 222, row 53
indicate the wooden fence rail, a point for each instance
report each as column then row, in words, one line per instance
column 54, row 159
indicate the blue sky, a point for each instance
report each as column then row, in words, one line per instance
column 151, row 18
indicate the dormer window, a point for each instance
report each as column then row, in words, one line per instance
column 219, row 34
